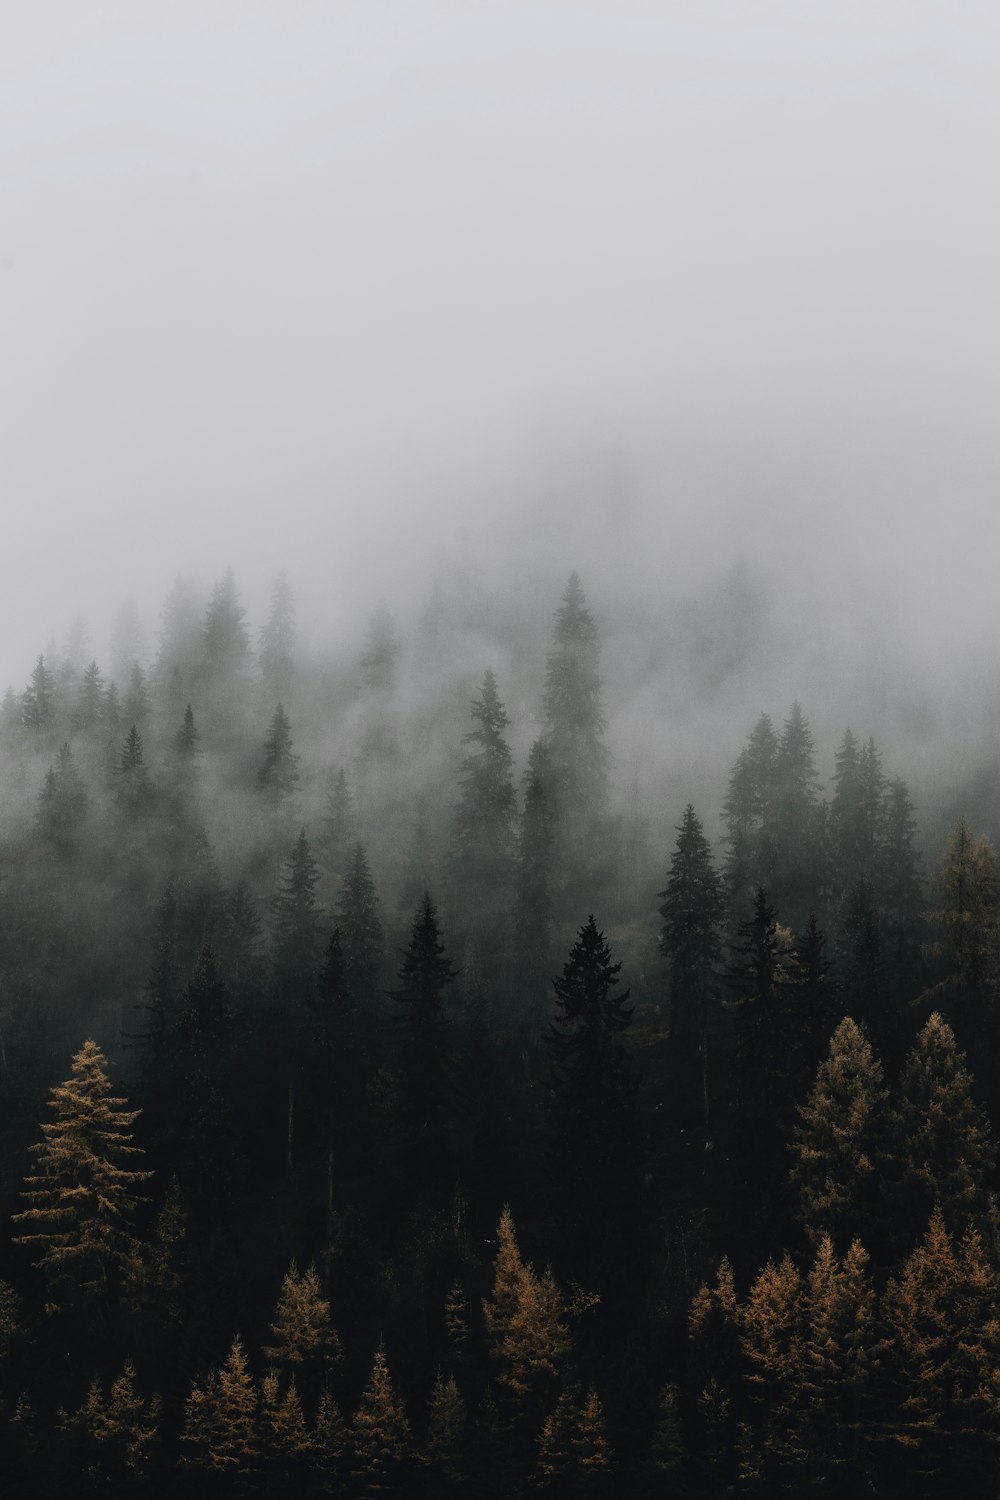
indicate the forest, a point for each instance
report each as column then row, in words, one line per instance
column 388, row 1109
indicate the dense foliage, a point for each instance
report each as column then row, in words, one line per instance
column 383, row 1115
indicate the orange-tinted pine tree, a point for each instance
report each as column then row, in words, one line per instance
column 444, row 1447
column 380, row 1434
column 220, row 1431
column 716, row 1370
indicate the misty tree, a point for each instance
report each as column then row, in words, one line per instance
column 275, row 660
column 749, row 815
column 421, row 1024
column 135, row 705
column 481, row 864
column 178, row 659
column 795, row 822
column 574, row 714
column 88, row 709
column 279, row 772
column 690, row 943
column 126, row 645
column 360, row 926
column 294, row 954
column 199, row 895
column 62, row 804
column 133, row 791
column 596, row 1154
column 532, row 910
column 240, row 944
column 225, row 656
column 38, row 699
column 380, row 657
column 338, row 830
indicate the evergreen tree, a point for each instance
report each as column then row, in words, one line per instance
column 772, row 1335
column 839, row 1144
column 574, row 716
column 220, row 1432
column 941, row 1137
column 840, row 1358
column 275, row 661
column 225, row 655
column 133, row 791
column 279, row 774
column 715, row 1362
column 89, row 706
column 379, row 660
column 303, row 1338
column 381, row 1435
column 769, row 1031
column 62, row 805
column 186, row 738
column 573, row 1452
column 338, row 823
column 81, row 1195
column 592, row 1086
column 360, row 929
column 749, row 812
column 967, row 918
column 443, row 1450
column 135, row 705
column 689, row 941
column 795, row 821
column 532, row 913
column 421, row 1027
column 483, row 838
column 38, row 701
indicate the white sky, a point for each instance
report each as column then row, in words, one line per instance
column 291, row 284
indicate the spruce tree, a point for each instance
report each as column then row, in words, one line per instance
column 795, row 822
column 425, row 1088
column 380, row 1434
column 278, row 774
column 38, row 701
column 62, row 805
column 303, row 1338
column 689, row 942
column 483, row 839
column 275, row 659
column 360, row 928
column 749, row 811
column 82, row 1194
column 596, row 1156
column 133, row 792
column 839, row 1145
column 443, row 1450
column 532, row 911
column 89, row 700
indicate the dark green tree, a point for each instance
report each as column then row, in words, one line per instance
column 689, row 941
column 275, row 659
column 532, row 913
column 133, row 791
column 574, row 714
column 421, row 1025
column 279, row 773
column 38, row 701
column 63, row 803
column 360, row 925
column 749, row 813
column 482, row 852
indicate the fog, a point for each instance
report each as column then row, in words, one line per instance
column 656, row 291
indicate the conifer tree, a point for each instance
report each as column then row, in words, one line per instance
column 483, row 837
column 135, row 705
column 839, row 1143
column 330, row 1443
column 286, row 1441
column 689, row 941
column 379, row 660
column 154, row 1279
column 275, row 660
column 303, row 1338
column 940, row 1135
column 525, row 1320
column 772, row 1328
column 795, row 821
column 380, row 1434
column 81, row 1195
column 279, row 774
column 749, row 811
column 942, row 1322
column 421, row 1031
column 840, row 1357
column 596, row 1148
column 38, row 701
column 443, row 1450
column 360, row 928
column 966, row 918
column 769, row 1031
column 187, row 737
column 220, row 1431
column 89, row 700
column 338, row 823
column 62, row 806
column 240, row 946
column 532, row 912
column 573, row 1452
column 133, row 791
column 901, row 896
column 574, row 716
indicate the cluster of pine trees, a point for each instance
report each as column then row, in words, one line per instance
column 353, row 1010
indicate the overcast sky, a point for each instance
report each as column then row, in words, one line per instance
column 314, row 285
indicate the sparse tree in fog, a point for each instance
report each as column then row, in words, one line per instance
column 38, row 699
column 574, row 713
column 279, row 773
column 294, row 955
column 338, row 833
column 360, row 928
column 749, row 815
column 532, row 913
column 88, row 710
column 62, row 805
column 225, row 657
column 135, row 705
column 82, row 1194
column 275, row 662
column 133, row 791
column 690, row 942
column 482, row 850
column 965, row 922
column 380, row 657
column 798, row 872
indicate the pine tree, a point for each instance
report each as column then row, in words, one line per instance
column 381, row 1434
column 379, row 660
column 186, row 739
column 573, row 1452
column 901, row 896
column 360, row 927
column 941, row 1136
column 287, row 1442
column 443, row 1450
column 38, row 701
column 81, row 1196
column 772, row 1330
column 296, row 915
column 62, row 806
column 154, row 1280
column 592, row 1086
column 689, row 941
column 275, row 660
column 278, row 775
column 338, row 823
column 533, row 889
column 839, row 1143
column 89, row 706
column 749, row 812
column 967, row 919
column 483, row 838
column 421, row 1028
column 133, row 791
column 303, row 1336
column 795, row 821
column 840, row 1355
column 220, row 1430
column 135, row 705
